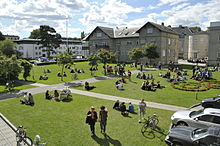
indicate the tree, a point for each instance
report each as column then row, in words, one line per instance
column 49, row 39
column 83, row 35
column 93, row 62
column 105, row 57
column 27, row 66
column 10, row 68
column 6, row 47
column 35, row 34
column 196, row 28
column 2, row 37
column 64, row 58
column 151, row 51
column 136, row 54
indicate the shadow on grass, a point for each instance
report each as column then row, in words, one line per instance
column 69, row 84
column 154, row 133
column 106, row 141
column 67, row 100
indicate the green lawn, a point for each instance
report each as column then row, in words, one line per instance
column 37, row 71
column 18, row 86
column 63, row 123
column 167, row 95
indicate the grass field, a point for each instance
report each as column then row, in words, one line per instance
column 167, row 95
column 63, row 123
column 38, row 71
column 17, row 86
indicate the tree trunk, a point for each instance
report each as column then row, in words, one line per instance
column 62, row 72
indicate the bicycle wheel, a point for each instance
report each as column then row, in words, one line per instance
column 145, row 128
column 28, row 140
column 156, row 121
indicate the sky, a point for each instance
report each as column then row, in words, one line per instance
column 71, row 17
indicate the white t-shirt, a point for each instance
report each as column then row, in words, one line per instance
column 119, row 86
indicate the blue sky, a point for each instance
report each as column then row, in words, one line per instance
column 20, row 17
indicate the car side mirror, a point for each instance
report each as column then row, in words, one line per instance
column 196, row 119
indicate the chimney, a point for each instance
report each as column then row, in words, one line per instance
column 162, row 23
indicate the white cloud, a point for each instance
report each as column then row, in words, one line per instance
column 170, row 2
column 111, row 12
column 29, row 14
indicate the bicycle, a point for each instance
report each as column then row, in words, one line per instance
column 150, row 124
column 22, row 137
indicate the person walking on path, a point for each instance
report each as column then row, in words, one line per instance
column 103, row 115
column 142, row 110
column 91, row 119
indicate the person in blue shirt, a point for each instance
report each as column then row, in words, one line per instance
column 130, row 108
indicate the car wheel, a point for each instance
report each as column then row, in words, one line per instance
column 177, row 144
column 181, row 124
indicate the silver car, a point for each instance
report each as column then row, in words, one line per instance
column 203, row 118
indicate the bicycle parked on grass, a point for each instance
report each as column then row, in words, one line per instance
column 22, row 138
column 151, row 124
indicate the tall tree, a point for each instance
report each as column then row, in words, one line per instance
column 136, row 54
column 93, row 62
column 105, row 57
column 196, row 28
column 10, row 68
column 49, row 39
column 27, row 66
column 35, row 34
column 82, row 35
column 64, row 58
column 6, row 47
column 151, row 51
column 2, row 37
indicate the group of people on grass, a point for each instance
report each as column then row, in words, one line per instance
column 44, row 77
column 144, row 76
column 27, row 99
column 55, row 95
column 92, row 116
column 201, row 74
column 151, row 86
column 88, row 87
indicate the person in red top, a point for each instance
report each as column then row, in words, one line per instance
column 91, row 119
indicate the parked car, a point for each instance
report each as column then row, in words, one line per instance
column 213, row 102
column 202, row 118
column 189, row 136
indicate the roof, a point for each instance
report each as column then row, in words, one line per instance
column 125, row 32
column 183, row 30
column 212, row 111
column 160, row 27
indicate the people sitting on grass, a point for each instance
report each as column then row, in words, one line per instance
column 59, row 74
column 64, row 74
column 87, row 87
column 123, row 79
column 116, row 105
column 123, row 110
column 143, row 86
column 56, row 95
column 30, row 99
column 160, row 74
column 130, row 108
column 144, row 76
column 47, row 95
column 45, row 77
column 119, row 86
column 72, row 71
column 138, row 75
column 24, row 100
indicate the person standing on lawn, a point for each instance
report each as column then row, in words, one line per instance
column 142, row 110
column 91, row 119
column 103, row 115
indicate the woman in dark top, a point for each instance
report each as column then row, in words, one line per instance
column 116, row 105
column 47, row 95
column 91, row 119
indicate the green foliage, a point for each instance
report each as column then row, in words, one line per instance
column 6, row 47
column 83, row 35
column 2, row 37
column 35, row 34
column 196, row 28
column 49, row 39
column 64, row 58
column 105, row 57
column 136, row 54
column 27, row 66
column 151, row 51
column 10, row 68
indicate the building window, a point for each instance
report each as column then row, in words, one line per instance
column 218, row 55
column 163, row 53
column 149, row 30
column 169, row 54
column 39, row 53
column 195, row 55
column 21, row 48
column 98, row 34
column 169, row 41
column 104, row 43
column 36, row 53
column 129, row 43
column 142, row 42
column 35, row 48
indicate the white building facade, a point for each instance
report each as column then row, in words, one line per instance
column 30, row 48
